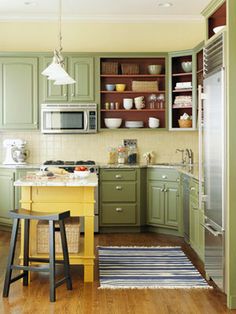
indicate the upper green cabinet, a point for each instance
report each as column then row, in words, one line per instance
column 79, row 68
column 18, row 92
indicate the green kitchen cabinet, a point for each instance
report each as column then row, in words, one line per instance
column 6, row 196
column 78, row 67
column 163, row 199
column 122, row 198
column 197, row 232
column 19, row 92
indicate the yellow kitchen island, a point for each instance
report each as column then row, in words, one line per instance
column 61, row 193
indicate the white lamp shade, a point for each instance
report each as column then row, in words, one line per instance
column 56, row 71
column 64, row 81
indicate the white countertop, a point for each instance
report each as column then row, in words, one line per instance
column 62, row 180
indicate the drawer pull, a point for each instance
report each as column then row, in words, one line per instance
column 119, row 209
column 162, row 190
column 165, row 190
column 164, row 177
column 177, row 180
column 118, row 176
column 118, row 187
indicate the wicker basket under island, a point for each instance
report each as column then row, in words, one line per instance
column 72, row 234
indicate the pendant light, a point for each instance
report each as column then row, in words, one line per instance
column 55, row 70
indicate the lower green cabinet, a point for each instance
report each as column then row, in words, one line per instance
column 197, row 232
column 10, row 195
column 122, row 197
column 6, row 195
column 163, row 208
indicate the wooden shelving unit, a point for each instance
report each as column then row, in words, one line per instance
column 152, row 109
column 179, row 76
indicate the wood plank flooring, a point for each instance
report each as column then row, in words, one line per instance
column 88, row 299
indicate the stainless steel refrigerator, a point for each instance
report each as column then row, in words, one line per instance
column 214, row 159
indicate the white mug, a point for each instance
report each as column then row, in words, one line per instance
column 139, row 102
column 128, row 103
column 153, row 123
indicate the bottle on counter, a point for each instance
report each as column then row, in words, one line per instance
column 121, row 151
column 132, row 154
column 112, row 155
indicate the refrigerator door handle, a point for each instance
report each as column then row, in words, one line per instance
column 212, row 230
column 200, row 143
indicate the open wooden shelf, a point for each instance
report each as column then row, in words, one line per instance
column 182, row 74
column 119, row 76
column 182, row 90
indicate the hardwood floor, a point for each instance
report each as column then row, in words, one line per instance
column 88, row 299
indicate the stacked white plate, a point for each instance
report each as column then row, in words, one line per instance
column 133, row 124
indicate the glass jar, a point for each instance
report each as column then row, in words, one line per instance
column 132, row 154
column 121, row 155
column 112, row 155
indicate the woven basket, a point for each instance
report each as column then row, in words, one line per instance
column 72, row 235
column 185, row 123
column 110, row 68
column 129, row 68
column 145, row 86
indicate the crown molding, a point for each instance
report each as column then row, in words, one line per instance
column 104, row 18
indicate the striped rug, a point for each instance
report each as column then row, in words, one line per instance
column 147, row 267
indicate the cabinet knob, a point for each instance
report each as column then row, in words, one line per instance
column 177, row 180
column 118, row 187
column 118, row 176
column 162, row 190
column 65, row 95
column 164, row 177
column 192, row 188
column 119, row 209
column 165, row 190
column 72, row 95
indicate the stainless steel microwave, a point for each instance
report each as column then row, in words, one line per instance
column 69, row 118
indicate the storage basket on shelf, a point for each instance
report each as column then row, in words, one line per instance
column 185, row 123
column 145, row 86
column 72, row 227
column 129, row 68
column 110, row 68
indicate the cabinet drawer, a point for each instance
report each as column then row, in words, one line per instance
column 121, row 213
column 163, row 174
column 118, row 174
column 118, row 192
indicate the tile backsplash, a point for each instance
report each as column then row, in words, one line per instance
column 95, row 146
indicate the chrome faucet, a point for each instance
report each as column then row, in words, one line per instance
column 189, row 154
column 182, row 152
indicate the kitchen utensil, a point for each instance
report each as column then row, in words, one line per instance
column 113, row 123
column 120, row 87
column 110, row 87
column 139, row 102
column 186, row 66
column 128, row 103
column 154, row 69
column 133, row 124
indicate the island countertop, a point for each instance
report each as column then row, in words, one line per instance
column 62, row 180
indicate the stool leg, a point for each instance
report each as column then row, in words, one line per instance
column 11, row 257
column 26, row 251
column 52, row 260
column 65, row 254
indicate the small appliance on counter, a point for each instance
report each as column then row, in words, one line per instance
column 16, row 153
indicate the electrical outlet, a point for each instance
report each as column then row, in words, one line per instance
column 130, row 142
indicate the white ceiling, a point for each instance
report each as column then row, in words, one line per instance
column 130, row 10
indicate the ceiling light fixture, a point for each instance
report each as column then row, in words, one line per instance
column 165, row 4
column 55, row 70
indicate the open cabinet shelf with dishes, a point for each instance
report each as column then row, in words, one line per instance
column 217, row 20
column 133, row 89
column 182, row 91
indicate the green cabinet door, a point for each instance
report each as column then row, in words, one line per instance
column 51, row 92
column 82, row 70
column 18, row 93
column 171, row 204
column 6, row 196
column 156, row 203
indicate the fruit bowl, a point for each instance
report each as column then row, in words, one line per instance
column 81, row 174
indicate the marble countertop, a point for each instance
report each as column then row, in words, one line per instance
column 20, row 166
column 58, row 180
